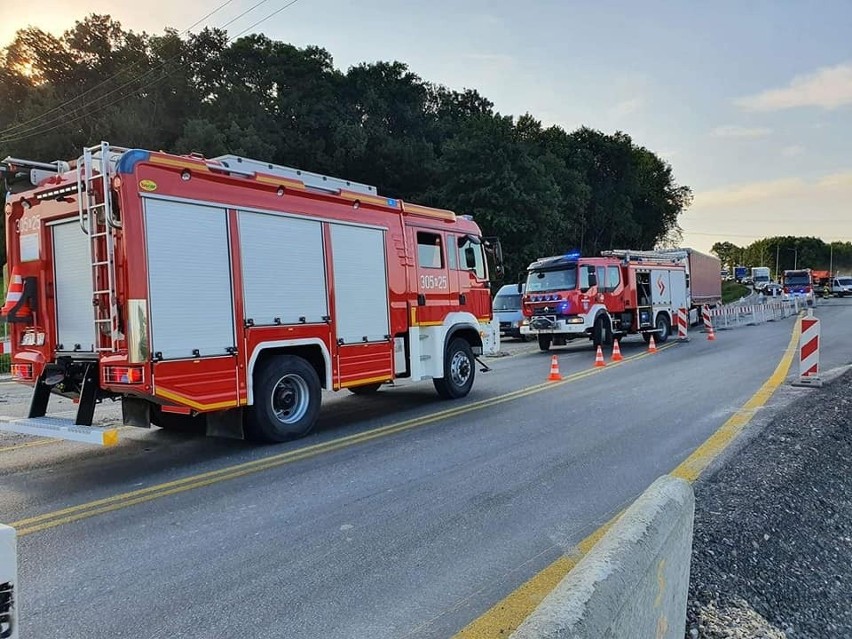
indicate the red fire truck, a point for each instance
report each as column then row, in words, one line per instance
column 230, row 291
column 603, row 298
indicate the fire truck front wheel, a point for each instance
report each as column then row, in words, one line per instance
column 286, row 400
column 602, row 331
column 544, row 342
column 459, row 370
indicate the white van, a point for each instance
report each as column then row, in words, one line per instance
column 507, row 310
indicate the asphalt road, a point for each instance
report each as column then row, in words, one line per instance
column 409, row 531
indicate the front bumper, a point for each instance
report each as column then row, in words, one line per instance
column 554, row 325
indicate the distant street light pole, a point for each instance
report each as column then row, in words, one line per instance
column 777, row 273
column 795, row 259
column 831, row 259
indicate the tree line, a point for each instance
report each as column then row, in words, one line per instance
column 787, row 252
column 541, row 189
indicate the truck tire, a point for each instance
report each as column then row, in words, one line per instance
column 664, row 328
column 459, row 370
column 366, row 389
column 602, row 331
column 286, row 400
column 544, row 342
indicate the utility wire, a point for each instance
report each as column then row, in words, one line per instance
column 63, row 120
column 68, row 102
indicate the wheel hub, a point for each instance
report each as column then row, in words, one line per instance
column 460, row 369
column 290, row 399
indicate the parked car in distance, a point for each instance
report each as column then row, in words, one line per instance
column 772, row 289
column 507, row 310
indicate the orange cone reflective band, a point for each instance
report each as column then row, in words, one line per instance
column 652, row 345
column 554, row 370
column 599, row 360
column 616, row 352
column 13, row 296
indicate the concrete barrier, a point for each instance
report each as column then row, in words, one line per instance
column 8, row 583
column 634, row 582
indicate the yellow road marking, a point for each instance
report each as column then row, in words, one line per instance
column 38, row 442
column 116, row 502
column 504, row 617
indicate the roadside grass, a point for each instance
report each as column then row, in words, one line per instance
column 732, row 291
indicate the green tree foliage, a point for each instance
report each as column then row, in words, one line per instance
column 541, row 190
column 790, row 252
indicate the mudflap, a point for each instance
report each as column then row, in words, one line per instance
column 136, row 412
column 226, row 423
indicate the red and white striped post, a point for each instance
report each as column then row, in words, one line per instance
column 705, row 315
column 809, row 352
column 682, row 324
column 708, row 323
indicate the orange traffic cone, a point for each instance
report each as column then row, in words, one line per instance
column 711, row 334
column 616, row 352
column 13, row 296
column 554, row 370
column 599, row 360
column 652, row 345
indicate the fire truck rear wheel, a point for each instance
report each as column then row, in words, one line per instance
column 544, row 342
column 459, row 370
column 286, row 400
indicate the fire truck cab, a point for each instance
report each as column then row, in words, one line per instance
column 230, row 292
column 602, row 298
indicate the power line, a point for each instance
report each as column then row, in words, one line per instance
column 63, row 121
column 103, row 82
column 273, row 14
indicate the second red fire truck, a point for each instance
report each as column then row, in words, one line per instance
column 621, row 293
column 230, row 291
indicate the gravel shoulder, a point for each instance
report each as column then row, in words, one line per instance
column 772, row 551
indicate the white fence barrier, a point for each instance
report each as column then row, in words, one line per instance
column 736, row 315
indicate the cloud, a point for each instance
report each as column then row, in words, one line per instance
column 627, row 107
column 740, row 132
column 743, row 213
column 829, row 186
column 792, row 151
column 828, row 88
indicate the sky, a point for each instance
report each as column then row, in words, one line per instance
column 751, row 103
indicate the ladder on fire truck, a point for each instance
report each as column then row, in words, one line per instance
column 662, row 255
column 98, row 221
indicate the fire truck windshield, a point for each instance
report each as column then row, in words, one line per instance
column 563, row 279
column 798, row 278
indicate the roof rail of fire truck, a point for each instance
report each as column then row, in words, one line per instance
column 673, row 255
column 38, row 171
column 248, row 166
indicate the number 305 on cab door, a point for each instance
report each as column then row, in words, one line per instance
column 433, row 282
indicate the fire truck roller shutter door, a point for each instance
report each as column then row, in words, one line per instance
column 75, row 315
column 283, row 269
column 361, row 284
column 189, row 271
